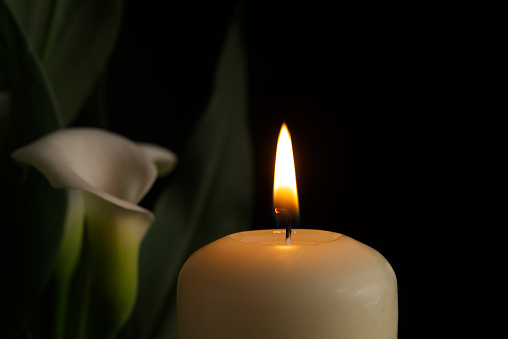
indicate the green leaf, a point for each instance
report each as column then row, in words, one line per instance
column 95, row 111
column 33, row 212
column 74, row 40
column 35, row 17
column 209, row 196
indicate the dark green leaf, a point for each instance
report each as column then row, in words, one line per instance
column 95, row 111
column 209, row 196
column 34, row 16
column 33, row 212
column 74, row 40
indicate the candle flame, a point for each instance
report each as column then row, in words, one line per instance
column 285, row 195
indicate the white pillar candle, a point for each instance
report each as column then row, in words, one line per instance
column 276, row 284
column 251, row 285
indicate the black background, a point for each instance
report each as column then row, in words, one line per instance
column 366, row 91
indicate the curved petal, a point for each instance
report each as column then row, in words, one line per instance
column 164, row 159
column 115, row 234
column 92, row 160
column 113, row 174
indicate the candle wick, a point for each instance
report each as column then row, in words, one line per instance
column 283, row 219
column 288, row 235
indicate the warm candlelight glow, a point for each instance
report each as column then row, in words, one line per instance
column 285, row 283
column 285, row 195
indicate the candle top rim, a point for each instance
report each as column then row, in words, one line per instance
column 300, row 236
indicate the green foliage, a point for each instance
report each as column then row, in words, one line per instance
column 209, row 196
column 73, row 39
column 33, row 212
column 53, row 54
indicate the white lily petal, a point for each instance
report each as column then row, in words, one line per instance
column 115, row 235
column 113, row 174
column 164, row 159
column 91, row 160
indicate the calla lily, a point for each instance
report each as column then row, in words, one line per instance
column 106, row 176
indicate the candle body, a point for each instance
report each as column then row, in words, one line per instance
column 251, row 285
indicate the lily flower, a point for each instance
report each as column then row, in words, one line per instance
column 106, row 176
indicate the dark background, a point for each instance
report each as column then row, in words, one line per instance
column 365, row 91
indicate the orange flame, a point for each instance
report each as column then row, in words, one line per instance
column 285, row 194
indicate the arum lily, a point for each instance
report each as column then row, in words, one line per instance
column 106, row 176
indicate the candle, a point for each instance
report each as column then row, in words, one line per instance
column 298, row 284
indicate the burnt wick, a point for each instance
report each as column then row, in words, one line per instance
column 283, row 219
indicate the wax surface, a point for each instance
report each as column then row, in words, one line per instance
column 251, row 285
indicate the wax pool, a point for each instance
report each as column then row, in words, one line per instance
column 250, row 285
